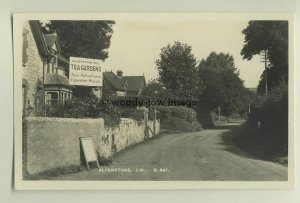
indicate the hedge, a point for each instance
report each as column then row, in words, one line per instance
column 185, row 113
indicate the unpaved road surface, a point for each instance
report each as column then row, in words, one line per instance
column 201, row 155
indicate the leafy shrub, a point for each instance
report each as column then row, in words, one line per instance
column 165, row 111
column 180, row 125
column 89, row 107
column 272, row 136
column 275, row 108
column 92, row 107
column 81, row 107
column 136, row 114
column 54, row 110
column 181, row 112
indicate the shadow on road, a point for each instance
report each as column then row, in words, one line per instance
column 229, row 127
column 230, row 144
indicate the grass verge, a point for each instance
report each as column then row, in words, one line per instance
column 268, row 144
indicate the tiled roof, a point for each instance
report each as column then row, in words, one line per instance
column 56, row 79
column 134, row 83
column 114, row 80
column 128, row 83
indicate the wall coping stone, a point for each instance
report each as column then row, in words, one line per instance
column 72, row 120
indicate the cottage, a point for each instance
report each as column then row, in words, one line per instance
column 119, row 85
column 44, row 79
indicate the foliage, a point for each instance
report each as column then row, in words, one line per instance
column 92, row 107
column 270, row 36
column 223, row 87
column 271, row 109
column 136, row 114
column 273, row 115
column 177, row 70
column 83, row 92
column 81, row 107
column 275, row 108
column 265, row 144
column 184, row 113
column 110, row 113
column 87, row 39
column 155, row 90
column 181, row 125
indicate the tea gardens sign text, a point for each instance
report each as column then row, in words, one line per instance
column 85, row 72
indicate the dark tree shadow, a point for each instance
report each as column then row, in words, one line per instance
column 231, row 141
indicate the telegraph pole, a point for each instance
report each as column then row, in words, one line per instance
column 219, row 110
column 264, row 59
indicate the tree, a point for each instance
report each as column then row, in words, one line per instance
column 223, row 87
column 177, row 70
column 155, row 90
column 270, row 36
column 87, row 39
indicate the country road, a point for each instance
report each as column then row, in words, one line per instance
column 204, row 155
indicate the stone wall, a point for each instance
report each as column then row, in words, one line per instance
column 50, row 143
column 128, row 133
column 32, row 74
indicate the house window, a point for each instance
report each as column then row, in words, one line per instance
column 49, row 67
column 52, row 65
column 51, row 98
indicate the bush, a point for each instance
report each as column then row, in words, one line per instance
column 180, row 112
column 272, row 135
column 275, row 108
column 136, row 114
column 180, row 125
column 81, row 107
column 205, row 119
column 92, row 107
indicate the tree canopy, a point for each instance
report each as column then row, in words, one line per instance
column 155, row 90
column 87, row 39
column 223, row 87
column 270, row 36
column 177, row 70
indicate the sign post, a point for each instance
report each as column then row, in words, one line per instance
column 85, row 72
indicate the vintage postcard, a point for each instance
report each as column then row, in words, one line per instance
column 153, row 101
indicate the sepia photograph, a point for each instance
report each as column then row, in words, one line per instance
column 153, row 101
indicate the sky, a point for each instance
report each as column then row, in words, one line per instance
column 136, row 44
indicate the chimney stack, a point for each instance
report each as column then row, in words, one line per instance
column 119, row 73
